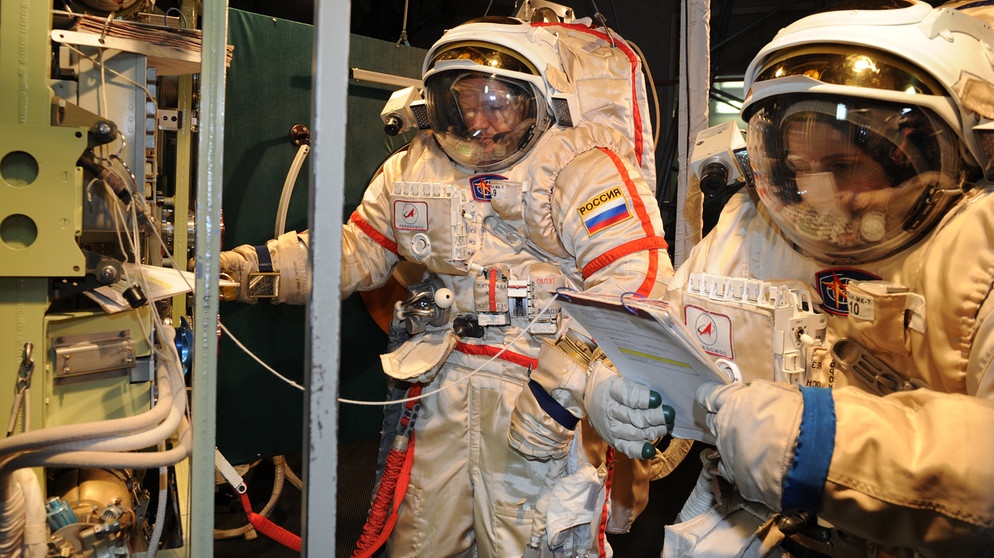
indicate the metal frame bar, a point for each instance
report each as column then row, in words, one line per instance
column 209, row 174
column 327, row 192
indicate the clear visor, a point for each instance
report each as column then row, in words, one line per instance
column 483, row 122
column 852, row 181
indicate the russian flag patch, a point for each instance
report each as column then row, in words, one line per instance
column 608, row 208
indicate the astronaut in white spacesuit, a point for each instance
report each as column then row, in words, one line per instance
column 862, row 428
column 503, row 203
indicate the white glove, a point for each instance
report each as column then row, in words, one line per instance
column 626, row 415
column 756, row 427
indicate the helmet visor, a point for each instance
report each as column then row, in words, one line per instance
column 486, row 55
column 483, row 122
column 851, row 180
column 851, row 66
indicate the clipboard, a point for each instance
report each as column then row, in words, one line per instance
column 649, row 345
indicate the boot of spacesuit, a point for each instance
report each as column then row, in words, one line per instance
column 869, row 140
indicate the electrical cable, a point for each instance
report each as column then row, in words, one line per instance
column 148, row 94
column 254, row 357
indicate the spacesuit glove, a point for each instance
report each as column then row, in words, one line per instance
column 626, row 415
column 756, row 427
column 548, row 409
column 285, row 276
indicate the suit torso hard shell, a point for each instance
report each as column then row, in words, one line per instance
column 923, row 303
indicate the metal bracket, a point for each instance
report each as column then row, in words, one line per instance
column 111, row 352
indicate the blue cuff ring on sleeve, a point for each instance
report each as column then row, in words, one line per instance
column 558, row 413
column 805, row 480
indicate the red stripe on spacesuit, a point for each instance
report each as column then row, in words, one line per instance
column 623, row 46
column 651, row 243
column 376, row 235
column 633, row 191
column 493, row 290
column 487, row 350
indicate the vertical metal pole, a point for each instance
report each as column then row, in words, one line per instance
column 695, row 80
column 209, row 174
column 327, row 192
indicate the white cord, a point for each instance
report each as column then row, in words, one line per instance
column 393, row 401
column 113, row 71
column 467, row 376
column 259, row 360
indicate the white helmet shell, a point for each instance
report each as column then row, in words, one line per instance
column 489, row 89
column 534, row 43
column 865, row 126
column 952, row 47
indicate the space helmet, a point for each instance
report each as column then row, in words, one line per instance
column 486, row 91
column 866, row 126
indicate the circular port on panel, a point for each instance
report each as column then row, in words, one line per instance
column 18, row 232
column 18, row 168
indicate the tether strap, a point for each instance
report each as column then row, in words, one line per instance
column 552, row 407
column 265, row 262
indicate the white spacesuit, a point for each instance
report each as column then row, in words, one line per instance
column 869, row 136
column 506, row 199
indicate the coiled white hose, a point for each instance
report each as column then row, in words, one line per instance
column 12, row 519
column 23, row 527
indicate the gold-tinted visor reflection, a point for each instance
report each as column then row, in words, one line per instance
column 855, row 68
column 485, row 54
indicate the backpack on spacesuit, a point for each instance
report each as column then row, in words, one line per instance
column 609, row 88
column 607, row 80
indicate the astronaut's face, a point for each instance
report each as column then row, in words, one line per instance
column 833, row 172
column 482, row 121
column 851, row 180
column 490, row 110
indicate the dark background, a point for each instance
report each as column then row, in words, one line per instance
column 738, row 29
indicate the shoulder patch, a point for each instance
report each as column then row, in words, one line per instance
column 604, row 210
column 832, row 287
